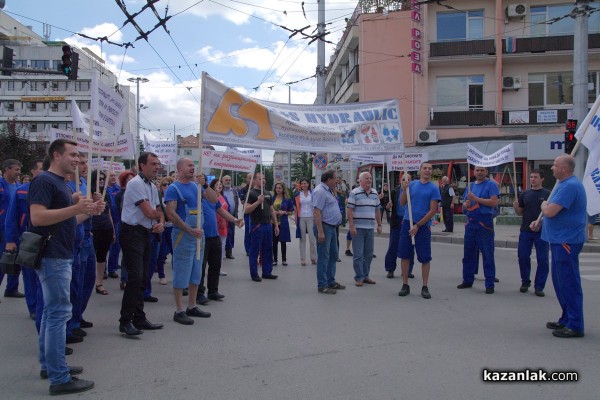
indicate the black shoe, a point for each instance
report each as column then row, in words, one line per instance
column 201, row 299
column 405, row 291
column 554, row 325
column 79, row 332
column 182, row 318
column 113, row 275
column 269, row 276
column 105, row 276
column 337, row 286
column 489, row 290
column 524, row 288
column 327, row 290
column 349, row 253
column 374, row 255
column 284, row 263
column 256, row 279
column 150, row 299
column 229, row 256
column 73, row 386
column 196, row 312
column 147, row 325
column 85, row 324
column 32, row 315
column 74, row 339
column 390, row 274
column 17, row 294
column 539, row 293
column 275, row 263
column 68, row 351
column 464, row 285
column 496, row 280
column 411, row 275
column 567, row 333
column 185, row 292
column 338, row 260
column 425, row 293
column 129, row 329
column 216, row 296
column 72, row 370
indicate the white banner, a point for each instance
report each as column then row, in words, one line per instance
column 166, row 150
column 367, row 159
column 413, row 161
column 117, row 167
column 590, row 138
column 231, row 119
column 255, row 153
column 502, row 156
column 124, row 145
column 227, row 160
column 108, row 107
column 82, row 121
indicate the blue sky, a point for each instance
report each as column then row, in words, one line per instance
column 237, row 42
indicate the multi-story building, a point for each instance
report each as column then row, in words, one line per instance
column 39, row 101
column 493, row 71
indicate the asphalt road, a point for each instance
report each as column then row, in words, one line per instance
column 283, row 340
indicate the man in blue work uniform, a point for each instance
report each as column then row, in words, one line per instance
column 112, row 190
column 262, row 219
column 396, row 217
column 11, row 169
column 563, row 227
column 425, row 196
column 480, row 200
column 529, row 206
column 17, row 219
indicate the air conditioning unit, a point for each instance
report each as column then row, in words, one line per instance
column 516, row 11
column 511, row 82
column 427, row 136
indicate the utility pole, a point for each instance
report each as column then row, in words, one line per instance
column 320, row 65
column 137, row 135
column 580, row 75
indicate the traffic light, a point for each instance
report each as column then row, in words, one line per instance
column 70, row 62
column 7, row 60
column 570, row 136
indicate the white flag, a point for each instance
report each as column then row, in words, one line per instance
column 591, row 133
column 502, row 156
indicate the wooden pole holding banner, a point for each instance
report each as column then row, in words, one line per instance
column 110, row 167
column 75, row 133
column 515, row 180
column 90, row 157
column 389, row 183
column 410, row 216
column 99, row 162
column 262, row 188
column 200, row 136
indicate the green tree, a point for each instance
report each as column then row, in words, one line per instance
column 302, row 166
column 14, row 144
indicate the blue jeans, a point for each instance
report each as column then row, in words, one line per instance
column 77, row 278
column 362, row 247
column 30, row 284
column 55, row 277
column 88, row 267
column 230, row 238
column 261, row 241
column 247, row 233
column 327, row 255
column 526, row 242
column 567, row 284
column 114, row 251
column 479, row 235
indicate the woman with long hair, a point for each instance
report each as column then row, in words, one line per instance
column 103, row 232
column 305, row 222
column 222, row 224
column 283, row 207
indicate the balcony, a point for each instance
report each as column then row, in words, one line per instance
column 464, row 118
column 462, row 48
column 541, row 44
column 348, row 90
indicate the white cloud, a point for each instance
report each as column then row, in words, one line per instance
column 247, row 40
column 105, row 29
column 117, row 59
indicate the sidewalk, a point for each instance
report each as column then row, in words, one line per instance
column 506, row 236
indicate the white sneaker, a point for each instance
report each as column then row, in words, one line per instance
column 163, row 281
column 222, row 273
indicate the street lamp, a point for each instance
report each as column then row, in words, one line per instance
column 137, row 80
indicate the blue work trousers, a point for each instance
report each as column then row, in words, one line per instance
column 114, row 251
column 479, row 235
column 88, row 267
column 261, row 241
column 526, row 242
column 567, row 284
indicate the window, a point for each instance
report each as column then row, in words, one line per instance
column 40, row 64
column 553, row 88
column 58, row 106
column 82, row 86
column 9, row 105
column 60, row 86
column 460, row 92
column 463, row 25
column 15, row 85
column 19, row 63
column 84, row 106
column 592, row 86
column 187, row 152
column 56, row 65
column 541, row 14
column 37, row 85
column 33, row 128
column 32, row 106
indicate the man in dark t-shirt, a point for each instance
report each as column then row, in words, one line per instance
column 53, row 214
column 262, row 215
column 529, row 206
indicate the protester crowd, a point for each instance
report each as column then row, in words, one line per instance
column 126, row 227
